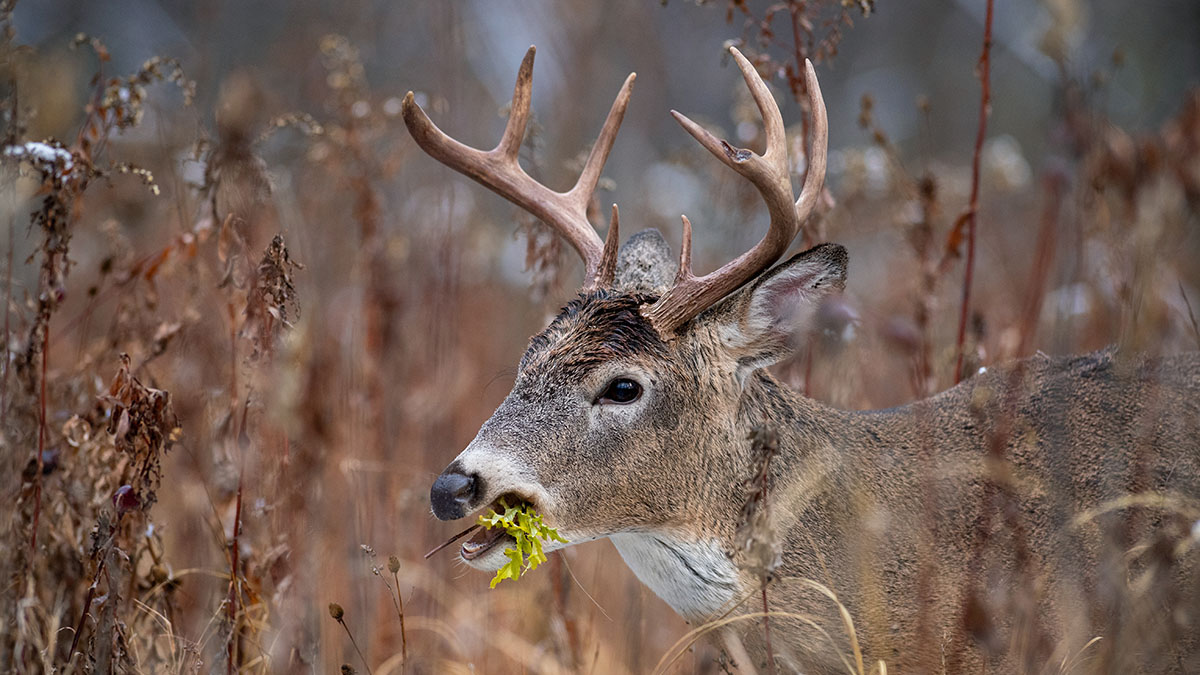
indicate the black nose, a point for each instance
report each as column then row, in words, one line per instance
column 450, row 495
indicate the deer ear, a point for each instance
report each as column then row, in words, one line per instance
column 763, row 322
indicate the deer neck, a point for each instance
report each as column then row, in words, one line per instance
column 694, row 576
column 813, row 450
column 701, row 575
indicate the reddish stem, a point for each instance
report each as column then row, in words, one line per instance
column 91, row 592
column 799, row 87
column 12, row 228
column 37, row 477
column 767, row 629
column 765, row 478
column 795, row 9
column 87, row 605
column 985, row 70
column 233, row 579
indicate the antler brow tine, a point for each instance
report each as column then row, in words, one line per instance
column 684, row 273
column 608, row 259
column 770, row 174
column 499, row 169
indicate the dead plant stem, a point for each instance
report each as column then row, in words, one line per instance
column 356, row 649
column 91, row 592
column 765, row 479
column 797, row 9
column 37, row 477
column 767, row 628
column 233, row 579
column 8, row 282
column 400, row 611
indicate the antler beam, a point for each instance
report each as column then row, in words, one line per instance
column 499, row 170
column 771, row 174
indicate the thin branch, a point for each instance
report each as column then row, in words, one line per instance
column 972, row 212
column 767, row 629
column 453, row 539
column 234, row 591
column 91, row 592
column 339, row 615
column 8, row 282
column 400, row 610
column 37, row 477
column 393, row 566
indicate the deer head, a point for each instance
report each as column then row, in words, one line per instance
column 627, row 418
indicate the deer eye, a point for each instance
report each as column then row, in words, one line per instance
column 621, row 390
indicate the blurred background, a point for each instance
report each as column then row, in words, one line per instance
column 332, row 314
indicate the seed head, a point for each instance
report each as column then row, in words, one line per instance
column 393, row 564
column 158, row 574
column 336, row 611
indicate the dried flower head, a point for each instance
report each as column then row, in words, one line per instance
column 144, row 427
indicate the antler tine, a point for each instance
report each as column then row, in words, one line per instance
column 814, row 181
column 499, row 169
column 740, row 160
column 684, row 273
column 586, row 185
column 518, row 110
column 608, row 259
column 769, row 173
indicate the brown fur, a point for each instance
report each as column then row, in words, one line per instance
column 900, row 522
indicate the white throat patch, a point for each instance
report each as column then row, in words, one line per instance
column 693, row 577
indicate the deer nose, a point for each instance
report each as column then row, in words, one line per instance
column 450, row 495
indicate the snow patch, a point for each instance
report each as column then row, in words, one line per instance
column 43, row 153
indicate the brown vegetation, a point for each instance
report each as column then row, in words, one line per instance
column 221, row 397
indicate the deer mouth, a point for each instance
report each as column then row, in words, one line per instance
column 484, row 540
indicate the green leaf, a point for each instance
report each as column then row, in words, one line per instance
column 510, row 569
column 528, row 531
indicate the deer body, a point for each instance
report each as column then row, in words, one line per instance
column 974, row 527
column 908, row 487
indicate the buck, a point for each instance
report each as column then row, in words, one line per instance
column 1038, row 516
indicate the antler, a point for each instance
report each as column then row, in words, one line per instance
column 499, row 170
column 769, row 172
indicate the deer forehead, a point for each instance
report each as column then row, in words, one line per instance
column 593, row 329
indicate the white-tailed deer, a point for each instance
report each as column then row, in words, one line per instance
column 1040, row 517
